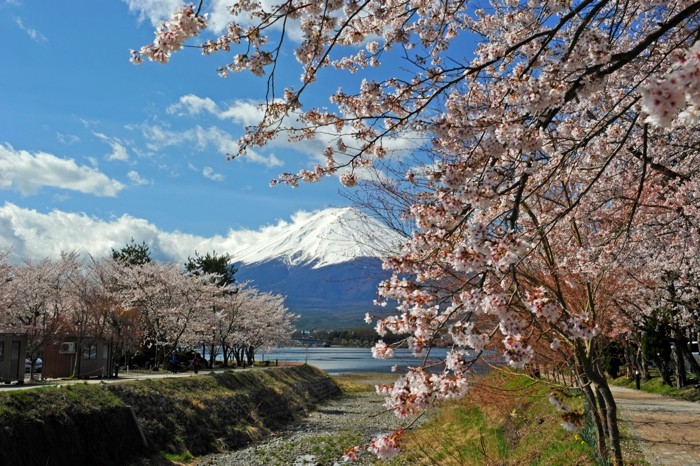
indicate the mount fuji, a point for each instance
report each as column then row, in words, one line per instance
column 328, row 266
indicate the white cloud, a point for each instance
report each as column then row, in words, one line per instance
column 28, row 173
column 67, row 138
column 30, row 234
column 119, row 152
column 249, row 113
column 33, row 34
column 270, row 160
column 209, row 172
column 156, row 11
column 244, row 112
column 219, row 17
column 191, row 104
column 34, row 235
column 158, row 138
column 136, row 179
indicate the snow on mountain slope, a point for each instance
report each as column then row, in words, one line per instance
column 330, row 236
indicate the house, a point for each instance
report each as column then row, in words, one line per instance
column 93, row 357
column 12, row 349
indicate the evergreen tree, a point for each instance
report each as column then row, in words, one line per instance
column 132, row 253
column 213, row 263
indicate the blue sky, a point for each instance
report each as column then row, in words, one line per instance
column 95, row 150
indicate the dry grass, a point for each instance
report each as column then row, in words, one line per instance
column 505, row 420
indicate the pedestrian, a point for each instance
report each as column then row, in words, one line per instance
column 196, row 362
column 173, row 362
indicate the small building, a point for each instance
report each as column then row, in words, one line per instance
column 93, row 355
column 13, row 346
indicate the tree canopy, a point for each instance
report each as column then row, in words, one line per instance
column 133, row 253
column 213, row 263
column 553, row 184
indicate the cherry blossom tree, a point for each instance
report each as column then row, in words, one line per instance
column 122, row 325
column 39, row 301
column 274, row 329
column 172, row 304
column 88, row 313
column 265, row 323
column 222, row 266
column 667, row 292
column 6, row 274
column 230, row 318
column 558, row 137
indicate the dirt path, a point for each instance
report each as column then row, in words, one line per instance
column 669, row 429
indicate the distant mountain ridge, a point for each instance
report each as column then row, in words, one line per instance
column 328, row 266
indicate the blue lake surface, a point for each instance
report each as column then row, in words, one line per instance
column 341, row 360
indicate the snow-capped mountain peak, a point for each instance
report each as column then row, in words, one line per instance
column 322, row 238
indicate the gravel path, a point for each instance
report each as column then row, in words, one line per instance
column 321, row 438
column 669, row 429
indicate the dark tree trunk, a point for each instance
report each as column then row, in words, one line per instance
column 598, row 420
column 603, row 408
column 610, row 429
column 679, row 342
column 212, row 354
column 225, row 350
column 237, row 354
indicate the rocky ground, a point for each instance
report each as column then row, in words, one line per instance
column 321, row 438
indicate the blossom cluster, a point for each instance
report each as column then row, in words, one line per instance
column 571, row 420
column 171, row 35
column 680, row 89
column 418, row 389
column 542, row 306
column 384, row 446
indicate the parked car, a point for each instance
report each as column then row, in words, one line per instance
column 37, row 365
column 695, row 350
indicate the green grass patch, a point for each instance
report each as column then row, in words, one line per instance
column 363, row 382
column 506, row 419
column 656, row 385
column 326, row 449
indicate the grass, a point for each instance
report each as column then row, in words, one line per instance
column 359, row 383
column 656, row 385
column 505, row 420
column 324, row 448
column 178, row 458
column 181, row 417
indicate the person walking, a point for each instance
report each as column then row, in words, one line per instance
column 173, row 362
column 197, row 362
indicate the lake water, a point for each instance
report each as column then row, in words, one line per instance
column 343, row 360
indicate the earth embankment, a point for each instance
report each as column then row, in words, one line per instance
column 137, row 422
